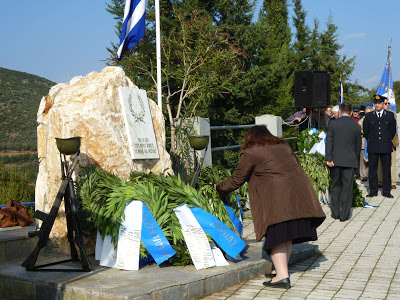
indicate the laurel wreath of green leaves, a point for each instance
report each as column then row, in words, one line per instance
column 104, row 196
column 315, row 167
column 305, row 140
column 138, row 117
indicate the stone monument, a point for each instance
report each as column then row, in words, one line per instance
column 89, row 107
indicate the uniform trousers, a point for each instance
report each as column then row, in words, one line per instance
column 342, row 192
column 373, row 159
column 363, row 166
column 392, row 169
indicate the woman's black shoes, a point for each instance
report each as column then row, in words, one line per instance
column 283, row 284
column 269, row 275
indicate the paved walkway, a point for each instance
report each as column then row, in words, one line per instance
column 359, row 259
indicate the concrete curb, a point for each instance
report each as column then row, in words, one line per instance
column 150, row 282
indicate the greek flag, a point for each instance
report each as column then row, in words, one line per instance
column 340, row 92
column 383, row 88
column 133, row 26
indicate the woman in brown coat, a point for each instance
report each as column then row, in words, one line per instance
column 283, row 202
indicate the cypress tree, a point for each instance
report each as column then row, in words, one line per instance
column 277, row 57
column 330, row 60
column 301, row 46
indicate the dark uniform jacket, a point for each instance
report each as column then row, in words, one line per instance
column 379, row 132
column 279, row 188
column 343, row 143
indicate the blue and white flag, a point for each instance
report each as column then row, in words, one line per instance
column 366, row 204
column 133, row 26
column 385, row 89
column 340, row 92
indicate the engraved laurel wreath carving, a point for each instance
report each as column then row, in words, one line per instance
column 139, row 117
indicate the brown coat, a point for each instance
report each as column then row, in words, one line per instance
column 279, row 188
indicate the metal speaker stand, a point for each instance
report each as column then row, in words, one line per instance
column 73, row 216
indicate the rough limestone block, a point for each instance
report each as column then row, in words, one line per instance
column 89, row 107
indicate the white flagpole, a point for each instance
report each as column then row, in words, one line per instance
column 389, row 71
column 158, row 53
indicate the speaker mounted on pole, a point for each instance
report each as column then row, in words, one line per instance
column 312, row 89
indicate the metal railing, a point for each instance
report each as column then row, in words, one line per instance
column 237, row 127
column 226, row 128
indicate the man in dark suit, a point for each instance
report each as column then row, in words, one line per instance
column 379, row 129
column 343, row 146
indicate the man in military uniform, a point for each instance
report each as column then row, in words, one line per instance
column 379, row 129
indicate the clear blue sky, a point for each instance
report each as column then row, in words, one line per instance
column 62, row 39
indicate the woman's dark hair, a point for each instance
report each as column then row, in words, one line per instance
column 259, row 135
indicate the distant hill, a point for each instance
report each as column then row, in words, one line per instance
column 20, row 95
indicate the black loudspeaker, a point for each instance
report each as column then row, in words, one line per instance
column 312, row 89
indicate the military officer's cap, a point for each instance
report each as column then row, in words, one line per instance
column 379, row 98
column 356, row 108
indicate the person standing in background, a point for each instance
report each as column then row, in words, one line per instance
column 343, row 146
column 298, row 117
column 356, row 118
column 363, row 162
column 334, row 115
column 356, row 113
column 395, row 143
column 322, row 119
column 379, row 130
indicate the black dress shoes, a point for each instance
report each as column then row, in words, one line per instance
column 372, row 195
column 269, row 275
column 387, row 195
column 282, row 284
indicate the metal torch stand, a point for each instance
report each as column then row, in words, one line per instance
column 197, row 167
column 74, row 224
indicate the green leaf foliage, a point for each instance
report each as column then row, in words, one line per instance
column 318, row 172
column 15, row 184
column 315, row 167
column 20, row 95
column 305, row 140
column 358, row 199
column 104, row 196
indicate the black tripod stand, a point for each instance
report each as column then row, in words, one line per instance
column 74, row 222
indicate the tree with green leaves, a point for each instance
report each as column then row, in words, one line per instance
column 396, row 89
column 200, row 61
column 327, row 58
column 276, row 57
column 302, row 45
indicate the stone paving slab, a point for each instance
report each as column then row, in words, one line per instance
column 14, row 242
